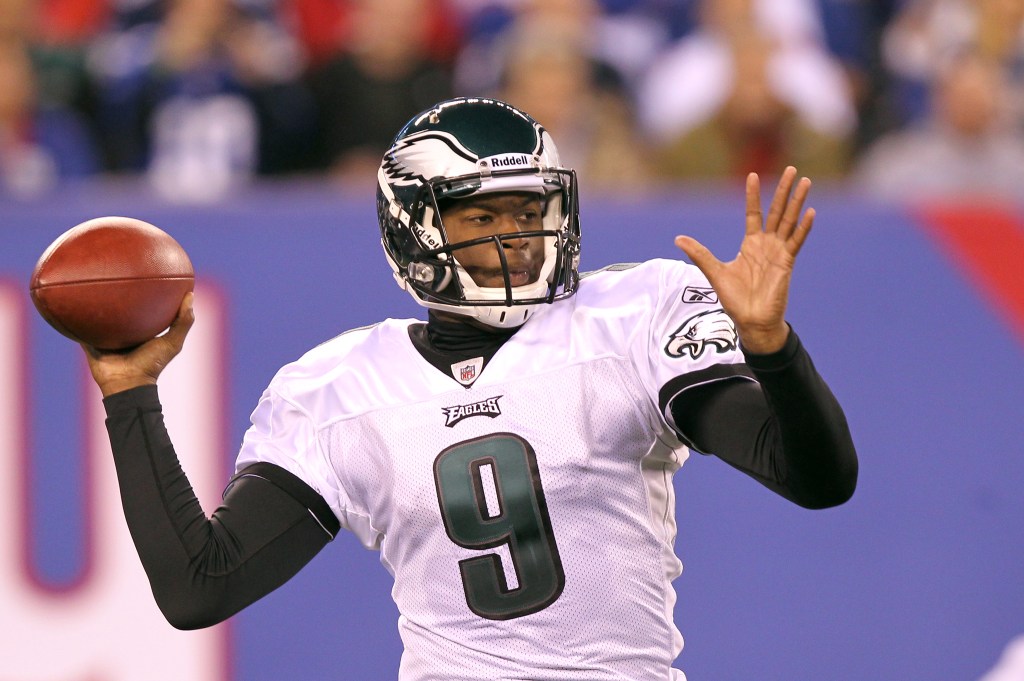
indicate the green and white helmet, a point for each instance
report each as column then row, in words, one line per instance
column 465, row 147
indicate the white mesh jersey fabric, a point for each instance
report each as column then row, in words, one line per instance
column 528, row 520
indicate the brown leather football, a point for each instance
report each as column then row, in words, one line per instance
column 111, row 282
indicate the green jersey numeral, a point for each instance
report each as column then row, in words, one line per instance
column 490, row 495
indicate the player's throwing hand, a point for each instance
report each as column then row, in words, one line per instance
column 754, row 287
column 117, row 371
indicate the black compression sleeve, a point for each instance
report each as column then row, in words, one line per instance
column 789, row 433
column 203, row 570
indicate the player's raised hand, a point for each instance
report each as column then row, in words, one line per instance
column 754, row 287
column 121, row 370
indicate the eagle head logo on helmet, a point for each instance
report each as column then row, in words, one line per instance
column 460, row 148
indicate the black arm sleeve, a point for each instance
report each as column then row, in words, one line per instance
column 203, row 570
column 790, row 433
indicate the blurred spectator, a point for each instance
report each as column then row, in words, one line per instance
column 69, row 22
column 39, row 146
column 966, row 148
column 853, row 33
column 16, row 18
column 319, row 25
column 322, row 26
column 118, row 62
column 927, row 33
column 626, row 35
column 549, row 72
column 752, row 89
column 382, row 74
column 56, row 33
column 201, row 98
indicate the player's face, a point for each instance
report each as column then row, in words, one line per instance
column 497, row 214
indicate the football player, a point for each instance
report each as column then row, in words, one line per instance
column 514, row 452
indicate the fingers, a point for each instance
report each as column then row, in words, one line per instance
column 783, row 216
column 753, row 204
column 186, row 313
column 142, row 365
column 182, row 323
column 699, row 255
column 779, row 201
column 801, row 232
column 793, row 207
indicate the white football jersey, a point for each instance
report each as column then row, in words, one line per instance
column 527, row 517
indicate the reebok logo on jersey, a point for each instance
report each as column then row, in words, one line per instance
column 488, row 407
column 699, row 294
column 713, row 328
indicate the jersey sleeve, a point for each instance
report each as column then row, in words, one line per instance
column 286, row 435
column 689, row 339
column 781, row 425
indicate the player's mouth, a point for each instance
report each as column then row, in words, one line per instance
column 521, row 277
column 518, row 275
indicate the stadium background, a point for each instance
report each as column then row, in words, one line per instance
column 915, row 315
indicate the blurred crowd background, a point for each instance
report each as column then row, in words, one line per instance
column 897, row 98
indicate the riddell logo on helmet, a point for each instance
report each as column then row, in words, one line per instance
column 509, row 160
column 428, row 236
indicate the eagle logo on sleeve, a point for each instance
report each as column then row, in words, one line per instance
column 713, row 329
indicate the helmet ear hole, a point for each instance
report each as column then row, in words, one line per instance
column 431, row 276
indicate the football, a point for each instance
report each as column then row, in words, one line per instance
column 111, row 282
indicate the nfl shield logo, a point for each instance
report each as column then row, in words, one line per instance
column 466, row 372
